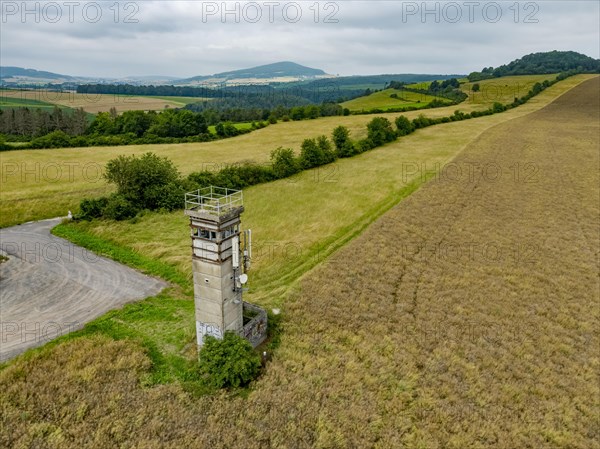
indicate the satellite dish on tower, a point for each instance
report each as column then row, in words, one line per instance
column 243, row 278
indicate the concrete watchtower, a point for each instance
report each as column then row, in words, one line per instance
column 220, row 256
column 215, row 229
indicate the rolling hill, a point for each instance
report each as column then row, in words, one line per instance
column 285, row 70
column 12, row 74
column 541, row 63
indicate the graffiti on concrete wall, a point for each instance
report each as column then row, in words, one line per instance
column 203, row 329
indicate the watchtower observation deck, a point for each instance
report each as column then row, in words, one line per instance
column 216, row 204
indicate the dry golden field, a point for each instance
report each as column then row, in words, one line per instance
column 94, row 103
column 466, row 317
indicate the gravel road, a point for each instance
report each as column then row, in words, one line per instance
column 49, row 286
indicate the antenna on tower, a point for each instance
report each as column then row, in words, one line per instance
column 247, row 249
column 235, row 252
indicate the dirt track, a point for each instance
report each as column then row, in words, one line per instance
column 49, row 286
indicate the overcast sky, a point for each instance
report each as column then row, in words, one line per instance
column 344, row 37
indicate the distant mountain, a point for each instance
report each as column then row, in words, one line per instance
column 275, row 70
column 285, row 70
column 541, row 64
column 145, row 80
column 19, row 72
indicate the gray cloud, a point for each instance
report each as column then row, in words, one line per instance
column 192, row 38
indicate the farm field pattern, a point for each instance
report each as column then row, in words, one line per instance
column 40, row 184
column 94, row 103
column 465, row 317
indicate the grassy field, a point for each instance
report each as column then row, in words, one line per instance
column 10, row 103
column 491, row 347
column 92, row 103
column 383, row 100
column 39, row 184
column 182, row 101
column 241, row 126
column 424, row 85
column 503, row 90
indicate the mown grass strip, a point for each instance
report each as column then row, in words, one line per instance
column 323, row 250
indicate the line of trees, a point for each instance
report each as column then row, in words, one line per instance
column 153, row 183
column 263, row 96
column 170, row 91
column 449, row 89
column 35, row 122
column 235, row 110
column 59, row 129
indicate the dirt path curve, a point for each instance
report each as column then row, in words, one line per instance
column 49, row 286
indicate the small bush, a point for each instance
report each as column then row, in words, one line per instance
column 499, row 107
column 284, row 163
column 380, row 131
column 92, row 208
column 169, row 196
column 226, row 129
column 404, row 126
column 326, row 150
column 3, row 145
column 421, row 122
column 55, row 139
column 348, row 150
column 239, row 176
column 364, row 145
column 310, row 154
column 202, row 179
column 119, row 208
column 340, row 137
column 230, row 362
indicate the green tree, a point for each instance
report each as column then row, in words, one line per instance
column 404, row 126
column 284, row 162
column 178, row 123
column 231, row 362
column 135, row 122
column 475, row 87
column 103, row 124
column 326, row 150
column 312, row 111
column 297, row 113
column 226, row 129
column 138, row 178
column 119, row 208
column 340, row 136
column 311, row 155
column 380, row 131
